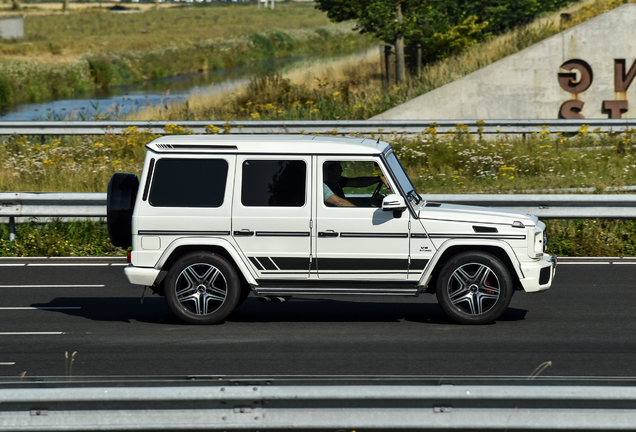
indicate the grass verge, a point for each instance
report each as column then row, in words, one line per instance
column 354, row 89
column 66, row 54
column 455, row 162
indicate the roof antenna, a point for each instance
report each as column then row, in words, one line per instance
column 378, row 140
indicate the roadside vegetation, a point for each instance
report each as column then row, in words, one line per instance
column 68, row 53
column 454, row 162
column 354, row 89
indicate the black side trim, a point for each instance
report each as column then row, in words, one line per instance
column 267, row 263
column 335, row 284
column 481, row 236
column 281, row 234
column 374, row 235
column 418, row 264
column 292, row 263
column 419, row 235
column 433, row 205
column 361, row 264
column 483, row 229
column 206, row 233
column 256, row 263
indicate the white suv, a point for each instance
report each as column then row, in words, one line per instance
column 217, row 217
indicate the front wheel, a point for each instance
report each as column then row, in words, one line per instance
column 202, row 288
column 474, row 288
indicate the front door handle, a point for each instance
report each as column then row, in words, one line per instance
column 243, row 233
column 328, row 233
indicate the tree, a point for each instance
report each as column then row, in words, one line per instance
column 441, row 27
column 392, row 21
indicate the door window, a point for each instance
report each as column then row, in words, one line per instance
column 274, row 183
column 353, row 184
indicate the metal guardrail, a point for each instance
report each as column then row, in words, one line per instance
column 15, row 205
column 344, row 127
column 320, row 407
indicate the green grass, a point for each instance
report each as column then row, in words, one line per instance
column 82, row 31
column 356, row 91
column 437, row 163
column 66, row 54
column 81, row 238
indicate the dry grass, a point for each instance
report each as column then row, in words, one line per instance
column 85, row 28
column 360, row 79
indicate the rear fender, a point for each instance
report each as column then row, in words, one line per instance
column 208, row 244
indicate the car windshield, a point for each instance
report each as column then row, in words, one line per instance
column 402, row 178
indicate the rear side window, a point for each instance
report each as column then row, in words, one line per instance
column 189, row 183
column 274, row 183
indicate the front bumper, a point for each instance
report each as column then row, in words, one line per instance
column 539, row 274
column 141, row 275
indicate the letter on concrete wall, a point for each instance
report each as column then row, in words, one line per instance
column 571, row 109
column 622, row 80
column 567, row 80
column 615, row 107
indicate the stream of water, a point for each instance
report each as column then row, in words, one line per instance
column 118, row 101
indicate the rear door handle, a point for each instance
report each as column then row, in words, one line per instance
column 328, row 233
column 243, row 233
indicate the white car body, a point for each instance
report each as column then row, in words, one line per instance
column 316, row 249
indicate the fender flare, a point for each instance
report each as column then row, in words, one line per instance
column 427, row 273
column 209, row 241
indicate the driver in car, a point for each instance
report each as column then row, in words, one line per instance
column 334, row 182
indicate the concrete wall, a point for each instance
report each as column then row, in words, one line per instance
column 11, row 27
column 588, row 70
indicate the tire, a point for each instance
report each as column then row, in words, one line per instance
column 202, row 288
column 474, row 288
column 120, row 203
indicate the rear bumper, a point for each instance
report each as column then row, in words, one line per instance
column 539, row 274
column 141, row 275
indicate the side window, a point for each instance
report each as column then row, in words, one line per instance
column 274, row 183
column 188, row 183
column 353, row 184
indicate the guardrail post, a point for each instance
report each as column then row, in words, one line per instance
column 11, row 228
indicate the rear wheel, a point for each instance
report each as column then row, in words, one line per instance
column 202, row 288
column 474, row 288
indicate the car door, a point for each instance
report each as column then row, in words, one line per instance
column 271, row 213
column 362, row 242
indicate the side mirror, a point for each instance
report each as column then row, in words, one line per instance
column 394, row 203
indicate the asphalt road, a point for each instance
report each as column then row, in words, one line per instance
column 81, row 318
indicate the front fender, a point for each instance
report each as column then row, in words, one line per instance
column 204, row 242
column 477, row 244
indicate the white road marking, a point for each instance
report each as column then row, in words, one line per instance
column 39, row 308
column 7, row 363
column 29, row 333
column 52, row 286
